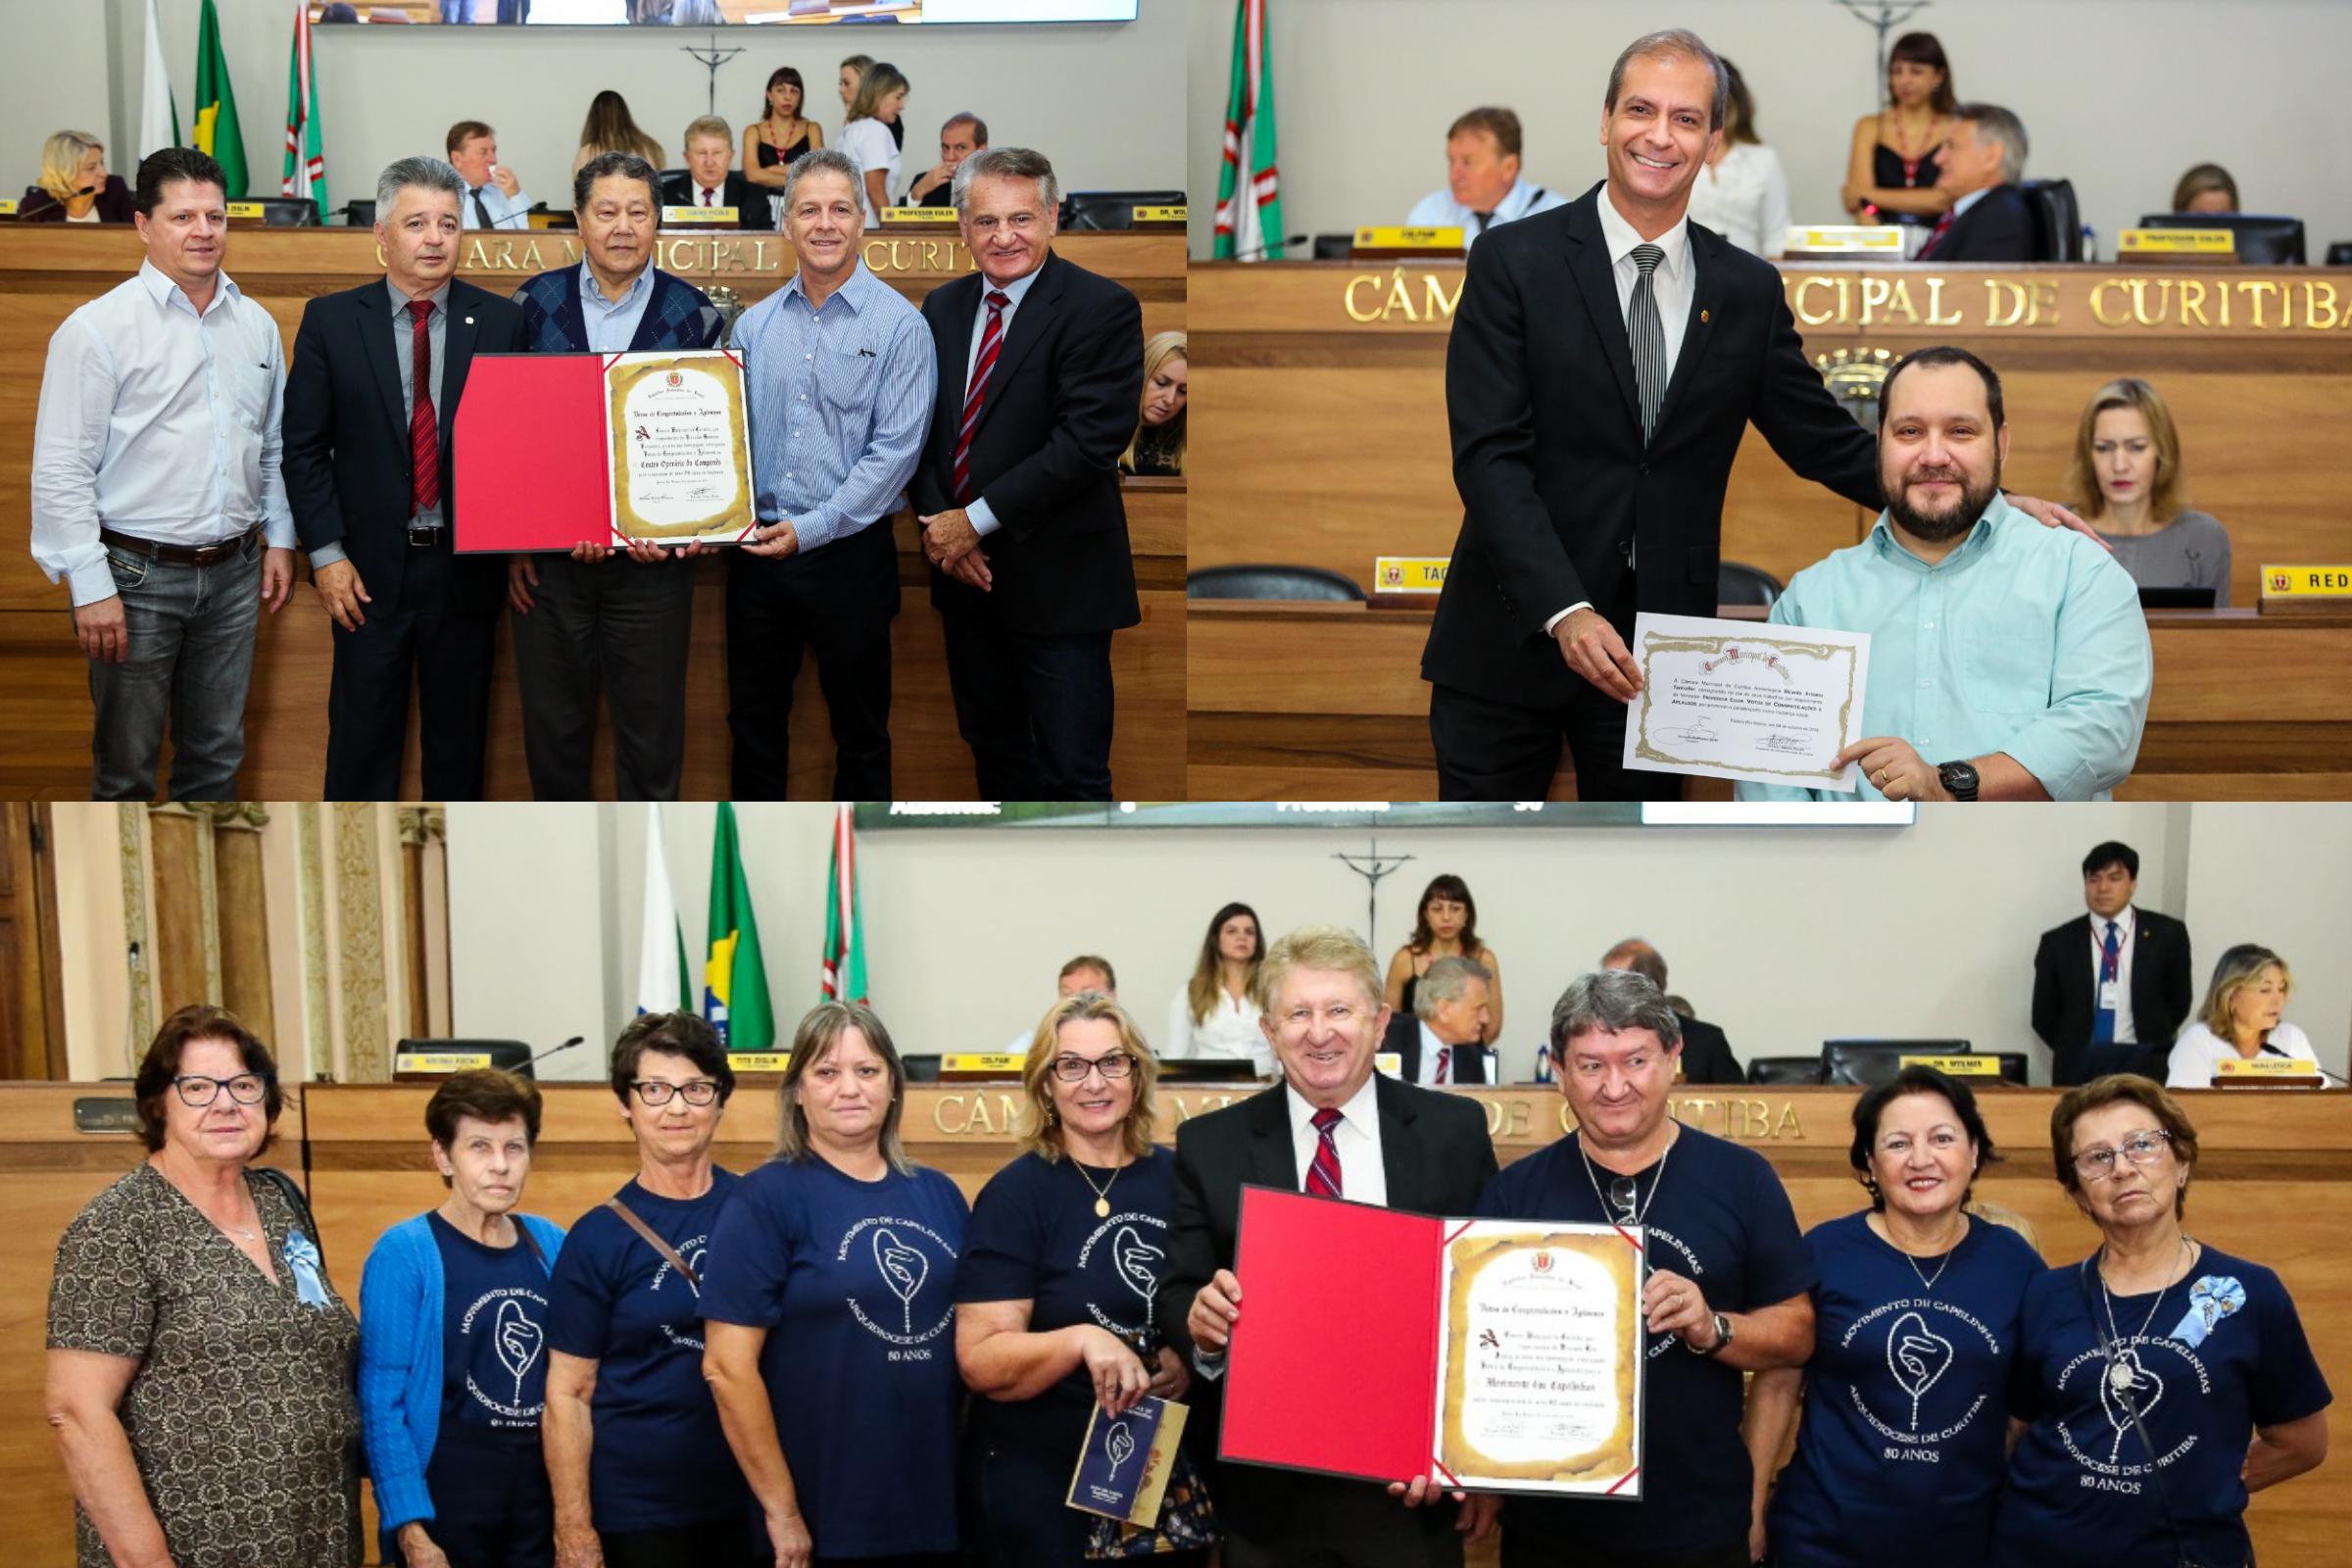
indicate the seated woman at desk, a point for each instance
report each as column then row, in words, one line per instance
column 2126, row 478
column 1159, row 444
column 75, row 187
column 2206, row 188
column 1891, row 172
column 2240, row 1019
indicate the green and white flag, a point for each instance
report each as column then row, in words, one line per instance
column 216, row 130
column 663, row 985
column 1249, row 189
column 842, row 970
column 306, row 155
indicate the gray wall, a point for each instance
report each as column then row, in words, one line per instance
column 1104, row 102
column 1783, row 936
column 2119, row 96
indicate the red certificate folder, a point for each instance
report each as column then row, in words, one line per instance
column 530, row 436
column 1357, row 1326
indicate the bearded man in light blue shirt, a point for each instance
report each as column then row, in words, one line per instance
column 2008, row 661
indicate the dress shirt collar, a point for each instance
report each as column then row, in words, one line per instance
column 1621, row 237
column 161, row 289
column 1015, row 291
column 1362, row 1113
column 1980, row 541
column 1962, row 205
column 592, row 293
column 2123, row 928
column 854, row 290
column 1431, row 1044
column 400, row 301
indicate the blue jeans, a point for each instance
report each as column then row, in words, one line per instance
column 190, row 632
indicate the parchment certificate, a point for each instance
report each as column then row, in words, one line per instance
column 1747, row 701
column 681, row 456
column 1540, row 1361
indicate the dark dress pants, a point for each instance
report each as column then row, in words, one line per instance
column 1036, row 711
column 432, row 636
column 1296, row 1520
column 1495, row 750
column 835, row 601
column 719, row 1543
column 491, row 1503
column 621, row 627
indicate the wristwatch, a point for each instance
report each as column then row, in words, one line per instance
column 1723, row 1336
column 1959, row 779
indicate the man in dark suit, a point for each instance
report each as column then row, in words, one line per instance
column 371, row 402
column 1706, row 1051
column 586, row 624
column 1606, row 358
column 961, row 137
column 1978, row 168
column 1040, row 377
column 1442, row 1042
column 712, row 179
column 1336, row 1128
column 2112, row 987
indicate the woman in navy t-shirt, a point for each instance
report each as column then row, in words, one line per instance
column 829, row 1309
column 1915, row 1328
column 2163, row 1378
column 639, row 1466
column 1053, row 1302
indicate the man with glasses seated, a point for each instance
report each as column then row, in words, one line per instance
column 1333, row 1128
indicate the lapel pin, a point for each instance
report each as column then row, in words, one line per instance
column 1702, row 318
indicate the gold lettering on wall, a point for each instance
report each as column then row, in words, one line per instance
column 1935, row 316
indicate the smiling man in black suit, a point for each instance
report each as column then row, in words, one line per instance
column 1041, row 380
column 372, row 398
column 2112, row 987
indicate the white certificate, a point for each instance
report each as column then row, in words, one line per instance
column 681, row 457
column 1747, row 701
column 1539, row 1365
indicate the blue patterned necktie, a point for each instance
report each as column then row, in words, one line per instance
column 2102, row 1026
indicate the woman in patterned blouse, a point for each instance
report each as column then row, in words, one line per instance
column 199, row 1374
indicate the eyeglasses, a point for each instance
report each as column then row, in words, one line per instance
column 2140, row 1148
column 1114, row 1067
column 246, row 1089
column 655, row 1091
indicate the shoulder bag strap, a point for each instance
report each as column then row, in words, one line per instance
column 287, row 1188
column 653, row 1240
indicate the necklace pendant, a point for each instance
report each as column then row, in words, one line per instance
column 2120, row 1377
column 1101, row 1208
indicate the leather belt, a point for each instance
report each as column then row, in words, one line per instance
column 178, row 555
column 423, row 538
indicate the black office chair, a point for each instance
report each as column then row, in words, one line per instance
column 514, row 1055
column 1086, row 211
column 1784, row 1070
column 290, row 211
column 1738, row 583
column 2264, row 239
column 2057, row 220
column 920, row 1068
column 2339, row 253
column 1272, row 582
column 1868, row 1063
column 359, row 213
column 1335, row 247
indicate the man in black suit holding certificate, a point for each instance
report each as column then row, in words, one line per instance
column 371, row 398
column 1040, row 377
column 1335, row 1128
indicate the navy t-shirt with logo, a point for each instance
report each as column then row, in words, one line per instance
column 2223, row 1354
column 1035, row 1237
column 1901, row 1451
column 660, row 1459
column 1721, row 1219
column 493, row 1333
column 854, row 1281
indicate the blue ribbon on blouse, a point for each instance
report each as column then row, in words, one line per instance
column 302, row 1256
column 2210, row 1301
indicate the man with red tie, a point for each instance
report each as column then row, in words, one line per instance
column 1980, row 164
column 372, row 399
column 712, row 181
column 1443, row 1041
column 1337, row 1129
column 1041, row 375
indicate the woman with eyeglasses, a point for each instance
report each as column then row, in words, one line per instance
column 635, row 1455
column 1915, row 1318
column 192, row 1327
column 2163, row 1378
column 453, row 1344
column 1053, row 1301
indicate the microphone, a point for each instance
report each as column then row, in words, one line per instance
column 1263, row 246
column 551, row 1050
column 2269, row 1049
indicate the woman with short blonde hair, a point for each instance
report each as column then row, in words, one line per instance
column 75, row 187
column 1157, row 448
column 2126, row 478
column 2240, row 1020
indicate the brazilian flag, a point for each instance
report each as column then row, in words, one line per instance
column 734, row 979
column 216, row 130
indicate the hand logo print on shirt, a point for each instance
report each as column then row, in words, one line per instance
column 2126, row 1373
column 1918, row 1356
column 904, row 1270
column 1120, row 1446
column 517, row 1339
column 1136, row 1261
column 694, row 1260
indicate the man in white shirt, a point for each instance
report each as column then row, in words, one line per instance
column 1483, row 185
column 494, row 194
column 156, row 492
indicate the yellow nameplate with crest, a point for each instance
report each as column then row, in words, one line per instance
column 918, row 215
column 1161, row 214
column 7, row 207
column 2177, row 242
column 1845, row 239
column 2307, row 583
column 2263, row 1067
column 1408, row 239
column 1408, row 574
column 674, row 216
column 440, row 1060
column 758, row 1061
column 246, row 209
column 1972, row 1066
column 995, row 1063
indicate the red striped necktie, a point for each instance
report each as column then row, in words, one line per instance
column 1936, row 236
column 1323, row 1175
column 992, row 339
column 1445, row 1064
column 424, row 434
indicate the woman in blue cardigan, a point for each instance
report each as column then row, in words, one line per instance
column 452, row 1345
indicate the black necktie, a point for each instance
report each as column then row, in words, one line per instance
column 481, row 213
column 1483, row 219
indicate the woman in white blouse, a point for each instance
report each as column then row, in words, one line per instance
column 1215, row 1015
column 2240, row 1020
column 1742, row 194
column 881, row 99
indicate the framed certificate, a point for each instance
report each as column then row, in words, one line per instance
column 1747, row 701
column 1487, row 1356
column 678, row 447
